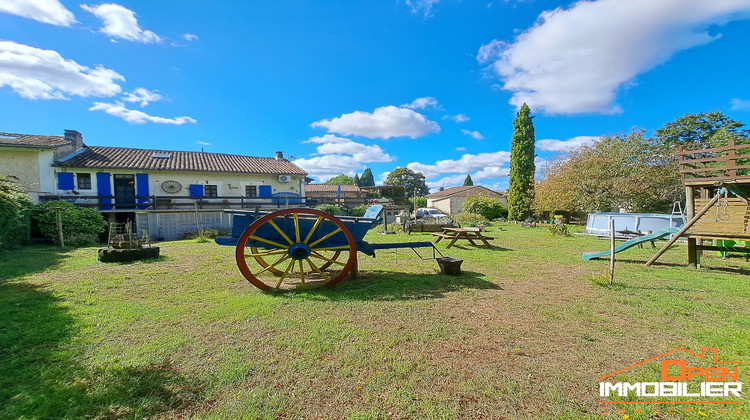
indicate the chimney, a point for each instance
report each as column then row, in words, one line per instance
column 75, row 138
column 279, row 155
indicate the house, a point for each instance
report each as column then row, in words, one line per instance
column 146, row 185
column 330, row 190
column 449, row 201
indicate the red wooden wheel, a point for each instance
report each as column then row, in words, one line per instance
column 295, row 248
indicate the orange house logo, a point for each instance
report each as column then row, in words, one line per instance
column 699, row 377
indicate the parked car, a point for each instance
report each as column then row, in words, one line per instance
column 432, row 215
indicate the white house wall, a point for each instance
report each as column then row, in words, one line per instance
column 228, row 184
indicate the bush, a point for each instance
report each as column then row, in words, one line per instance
column 81, row 225
column 559, row 230
column 358, row 211
column 470, row 219
column 488, row 207
column 14, row 214
column 328, row 208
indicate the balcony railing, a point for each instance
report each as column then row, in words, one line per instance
column 156, row 202
column 727, row 163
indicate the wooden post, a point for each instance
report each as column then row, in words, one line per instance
column 58, row 214
column 684, row 229
column 611, row 251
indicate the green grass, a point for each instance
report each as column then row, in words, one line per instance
column 525, row 331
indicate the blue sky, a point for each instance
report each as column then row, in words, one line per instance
column 341, row 85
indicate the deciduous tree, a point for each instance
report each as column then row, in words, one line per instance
column 628, row 172
column 410, row 180
column 341, row 180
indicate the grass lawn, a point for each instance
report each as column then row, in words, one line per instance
column 525, row 332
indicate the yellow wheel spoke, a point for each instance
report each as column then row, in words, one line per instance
column 283, row 276
column 325, row 237
column 281, row 232
column 255, row 238
column 266, row 253
column 333, row 248
column 283, row 257
column 317, row 270
column 296, row 226
column 315, row 226
column 316, row 255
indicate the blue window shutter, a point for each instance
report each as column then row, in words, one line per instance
column 264, row 191
column 65, row 181
column 141, row 187
column 103, row 188
column 196, row 190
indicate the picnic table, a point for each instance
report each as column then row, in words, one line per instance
column 466, row 234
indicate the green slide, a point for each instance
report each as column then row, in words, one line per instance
column 632, row 242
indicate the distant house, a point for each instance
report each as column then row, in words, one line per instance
column 332, row 191
column 122, row 182
column 449, row 201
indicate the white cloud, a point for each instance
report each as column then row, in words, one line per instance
column 330, row 144
column 468, row 163
column 326, row 167
column 739, row 104
column 120, row 22
column 461, row 149
column 385, row 122
column 459, row 118
column 423, row 103
column 447, row 182
column 491, row 173
column 133, row 116
column 552, row 145
column 575, row 60
column 190, row 37
column 143, row 96
column 422, row 6
column 476, row 135
column 203, row 143
column 34, row 73
column 45, row 11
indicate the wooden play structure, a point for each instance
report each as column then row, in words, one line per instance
column 717, row 187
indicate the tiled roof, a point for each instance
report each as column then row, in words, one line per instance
column 144, row 159
column 32, row 140
column 465, row 191
column 330, row 188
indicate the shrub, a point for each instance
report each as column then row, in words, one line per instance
column 328, row 208
column 470, row 219
column 14, row 214
column 205, row 234
column 488, row 207
column 559, row 230
column 81, row 225
column 358, row 211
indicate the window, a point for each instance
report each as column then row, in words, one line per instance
column 84, row 181
column 251, row 191
column 210, row 191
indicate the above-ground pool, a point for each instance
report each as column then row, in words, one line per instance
column 598, row 223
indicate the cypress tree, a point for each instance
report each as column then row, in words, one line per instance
column 356, row 180
column 468, row 182
column 367, row 180
column 521, row 191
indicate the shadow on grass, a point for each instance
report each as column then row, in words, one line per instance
column 29, row 260
column 388, row 285
column 42, row 376
column 469, row 247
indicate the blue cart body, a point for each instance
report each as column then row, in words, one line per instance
column 358, row 226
